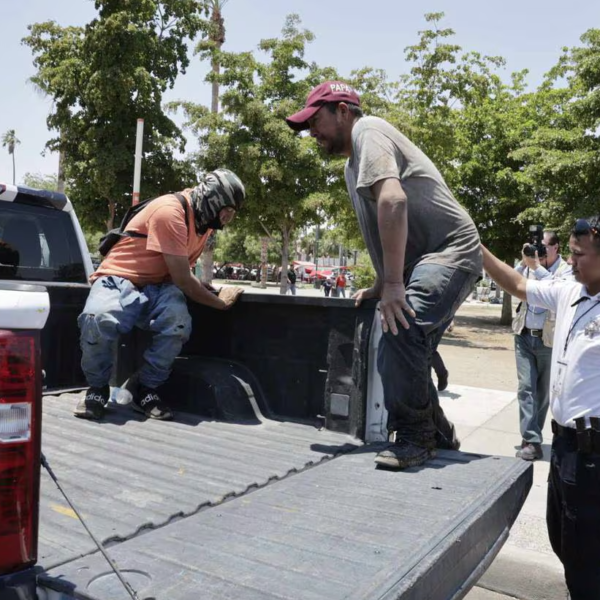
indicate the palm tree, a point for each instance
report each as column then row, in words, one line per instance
column 216, row 34
column 10, row 141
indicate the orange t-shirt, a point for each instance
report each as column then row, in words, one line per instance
column 140, row 259
column 340, row 281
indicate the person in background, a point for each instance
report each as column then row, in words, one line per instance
column 440, row 371
column 340, row 284
column 533, row 327
column 327, row 285
column 291, row 281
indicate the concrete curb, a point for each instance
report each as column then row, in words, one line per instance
column 525, row 574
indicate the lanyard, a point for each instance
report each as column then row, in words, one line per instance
column 577, row 321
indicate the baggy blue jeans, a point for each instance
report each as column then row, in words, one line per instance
column 114, row 307
column 404, row 361
column 533, row 373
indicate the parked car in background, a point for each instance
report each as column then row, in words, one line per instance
column 233, row 272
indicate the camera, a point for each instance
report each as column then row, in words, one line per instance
column 536, row 234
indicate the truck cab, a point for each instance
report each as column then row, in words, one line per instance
column 41, row 258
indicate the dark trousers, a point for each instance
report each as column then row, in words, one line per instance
column 404, row 361
column 573, row 516
column 438, row 365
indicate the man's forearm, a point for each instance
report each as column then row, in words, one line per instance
column 393, row 231
column 194, row 290
column 506, row 277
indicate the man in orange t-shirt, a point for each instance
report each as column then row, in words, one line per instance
column 144, row 281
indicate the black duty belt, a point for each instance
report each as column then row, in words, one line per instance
column 533, row 332
column 586, row 438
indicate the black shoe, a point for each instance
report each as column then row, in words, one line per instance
column 148, row 402
column 403, row 454
column 442, row 382
column 92, row 405
column 530, row 452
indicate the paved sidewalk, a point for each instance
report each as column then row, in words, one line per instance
column 526, row 568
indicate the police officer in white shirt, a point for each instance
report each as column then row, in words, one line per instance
column 573, row 509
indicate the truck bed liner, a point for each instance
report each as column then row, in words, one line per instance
column 343, row 530
column 127, row 474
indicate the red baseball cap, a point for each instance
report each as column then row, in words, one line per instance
column 329, row 91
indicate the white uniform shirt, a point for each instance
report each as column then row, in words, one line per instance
column 575, row 371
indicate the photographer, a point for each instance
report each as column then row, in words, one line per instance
column 534, row 330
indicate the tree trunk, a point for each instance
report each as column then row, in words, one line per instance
column 110, row 222
column 506, row 316
column 207, row 266
column 218, row 37
column 214, row 107
column 264, row 257
column 60, row 178
column 208, row 258
column 14, row 168
column 285, row 249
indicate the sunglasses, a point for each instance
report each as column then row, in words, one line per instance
column 583, row 227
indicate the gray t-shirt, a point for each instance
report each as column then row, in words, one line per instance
column 439, row 230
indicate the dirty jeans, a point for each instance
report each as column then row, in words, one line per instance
column 533, row 373
column 114, row 307
column 404, row 362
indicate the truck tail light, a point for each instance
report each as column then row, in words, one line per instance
column 20, row 445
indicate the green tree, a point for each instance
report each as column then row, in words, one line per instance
column 458, row 109
column 10, row 142
column 102, row 78
column 39, row 181
column 562, row 156
column 235, row 245
column 283, row 172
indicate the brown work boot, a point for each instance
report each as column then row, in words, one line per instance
column 530, row 452
column 403, row 454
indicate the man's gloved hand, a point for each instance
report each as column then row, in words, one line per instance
column 229, row 295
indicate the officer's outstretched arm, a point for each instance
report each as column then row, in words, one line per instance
column 508, row 279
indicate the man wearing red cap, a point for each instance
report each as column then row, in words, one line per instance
column 425, row 249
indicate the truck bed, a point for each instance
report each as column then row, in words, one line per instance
column 201, row 508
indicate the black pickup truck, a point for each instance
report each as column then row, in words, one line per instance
column 263, row 486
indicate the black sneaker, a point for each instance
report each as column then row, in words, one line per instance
column 92, row 405
column 148, row 402
column 403, row 454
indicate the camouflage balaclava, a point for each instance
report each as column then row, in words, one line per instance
column 216, row 190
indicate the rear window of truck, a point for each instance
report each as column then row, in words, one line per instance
column 38, row 243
